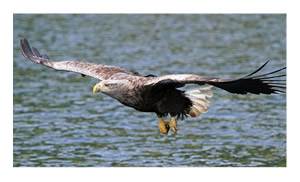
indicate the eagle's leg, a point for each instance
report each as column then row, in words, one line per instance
column 163, row 126
column 173, row 124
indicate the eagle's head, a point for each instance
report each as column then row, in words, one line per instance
column 123, row 90
column 112, row 87
column 106, row 86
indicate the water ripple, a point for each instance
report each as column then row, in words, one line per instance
column 59, row 122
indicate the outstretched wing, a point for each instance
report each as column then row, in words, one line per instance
column 262, row 84
column 99, row 71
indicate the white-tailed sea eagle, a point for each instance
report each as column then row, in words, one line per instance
column 160, row 94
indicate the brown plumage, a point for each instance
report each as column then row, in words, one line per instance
column 160, row 94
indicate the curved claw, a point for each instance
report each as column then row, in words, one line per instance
column 173, row 124
column 163, row 126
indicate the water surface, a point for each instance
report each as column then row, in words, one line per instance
column 59, row 122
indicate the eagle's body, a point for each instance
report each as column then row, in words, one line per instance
column 159, row 94
column 136, row 91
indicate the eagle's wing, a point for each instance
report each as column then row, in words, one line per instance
column 261, row 84
column 99, row 71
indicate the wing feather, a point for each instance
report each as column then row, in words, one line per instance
column 261, row 84
column 99, row 71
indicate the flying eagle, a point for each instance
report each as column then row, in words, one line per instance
column 160, row 94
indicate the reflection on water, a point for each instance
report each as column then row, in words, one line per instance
column 59, row 122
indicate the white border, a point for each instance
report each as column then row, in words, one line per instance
column 148, row 174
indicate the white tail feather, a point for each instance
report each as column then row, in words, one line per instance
column 199, row 101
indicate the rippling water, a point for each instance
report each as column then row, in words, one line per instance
column 59, row 122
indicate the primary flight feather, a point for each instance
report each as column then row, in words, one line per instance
column 160, row 94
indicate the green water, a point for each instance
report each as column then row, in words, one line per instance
column 59, row 122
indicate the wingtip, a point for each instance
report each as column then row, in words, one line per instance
column 25, row 48
column 23, row 41
column 22, row 44
column 261, row 67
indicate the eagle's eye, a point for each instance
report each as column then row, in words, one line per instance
column 110, row 84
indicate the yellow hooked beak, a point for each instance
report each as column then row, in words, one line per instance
column 99, row 88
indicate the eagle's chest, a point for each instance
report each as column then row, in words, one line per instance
column 162, row 101
column 129, row 97
column 137, row 98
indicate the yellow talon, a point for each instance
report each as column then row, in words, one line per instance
column 163, row 126
column 173, row 124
